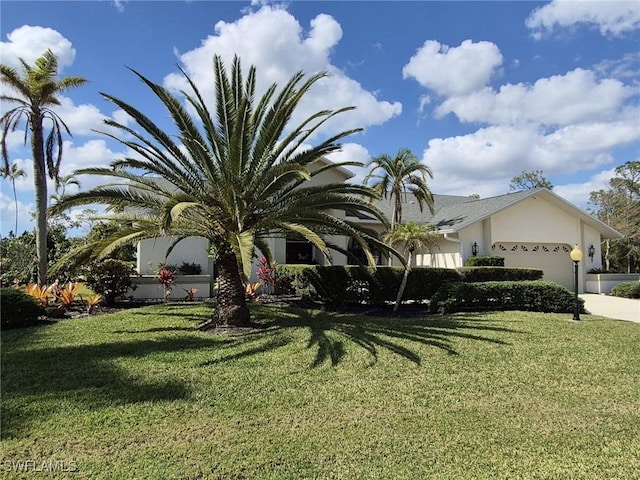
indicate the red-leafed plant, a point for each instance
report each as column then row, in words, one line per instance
column 166, row 277
column 267, row 274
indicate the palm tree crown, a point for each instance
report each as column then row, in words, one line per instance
column 395, row 176
column 36, row 92
column 234, row 176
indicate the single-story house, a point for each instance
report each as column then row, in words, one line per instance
column 533, row 228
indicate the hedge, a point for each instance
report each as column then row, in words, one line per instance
column 626, row 290
column 484, row 261
column 499, row 274
column 537, row 296
column 18, row 309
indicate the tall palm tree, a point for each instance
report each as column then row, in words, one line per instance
column 61, row 186
column 411, row 237
column 36, row 92
column 13, row 172
column 394, row 177
column 235, row 178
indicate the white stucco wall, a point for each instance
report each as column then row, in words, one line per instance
column 151, row 253
column 535, row 220
column 591, row 237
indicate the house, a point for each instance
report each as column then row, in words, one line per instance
column 533, row 228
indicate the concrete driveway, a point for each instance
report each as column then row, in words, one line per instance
column 612, row 307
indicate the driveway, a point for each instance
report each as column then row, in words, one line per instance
column 612, row 307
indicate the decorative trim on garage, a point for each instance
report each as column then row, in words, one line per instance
column 530, row 248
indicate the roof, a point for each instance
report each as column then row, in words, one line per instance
column 453, row 213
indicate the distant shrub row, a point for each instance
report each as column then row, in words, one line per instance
column 339, row 285
column 626, row 290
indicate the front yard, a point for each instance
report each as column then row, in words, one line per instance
column 141, row 394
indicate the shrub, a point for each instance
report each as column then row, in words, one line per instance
column 499, row 274
column 626, row 290
column 296, row 279
column 110, row 278
column 484, row 261
column 190, row 268
column 17, row 309
column 537, row 296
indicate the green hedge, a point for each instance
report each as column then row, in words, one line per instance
column 17, row 309
column 626, row 290
column 352, row 284
column 537, row 296
column 484, row 261
column 499, row 274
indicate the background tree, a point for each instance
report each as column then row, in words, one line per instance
column 394, row 177
column 619, row 207
column 411, row 237
column 234, row 178
column 36, row 93
column 13, row 172
column 530, row 180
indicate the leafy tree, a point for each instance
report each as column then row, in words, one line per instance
column 36, row 93
column 619, row 206
column 530, row 180
column 234, row 178
column 13, row 172
column 394, row 177
column 411, row 237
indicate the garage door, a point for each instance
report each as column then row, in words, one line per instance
column 552, row 258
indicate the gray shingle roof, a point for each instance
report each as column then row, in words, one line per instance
column 453, row 213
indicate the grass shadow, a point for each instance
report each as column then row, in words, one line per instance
column 379, row 333
column 87, row 375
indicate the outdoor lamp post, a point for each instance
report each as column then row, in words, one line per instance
column 576, row 256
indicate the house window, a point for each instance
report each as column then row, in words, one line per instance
column 356, row 250
column 299, row 251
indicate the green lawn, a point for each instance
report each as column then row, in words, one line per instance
column 142, row 395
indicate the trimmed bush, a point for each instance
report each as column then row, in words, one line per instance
column 499, row 274
column 110, row 278
column 17, row 309
column 296, row 280
column 626, row 290
column 537, row 296
column 484, row 261
column 190, row 269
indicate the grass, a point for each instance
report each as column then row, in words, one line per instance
column 140, row 394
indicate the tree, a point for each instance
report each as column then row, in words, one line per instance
column 36, row 94
column 62, row 184
column 13, row 172
column 412, row 237
column 234, row 178
column 394, row 177
column 530, row 180
column 619, row 206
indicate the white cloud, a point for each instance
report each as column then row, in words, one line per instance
column 578, row 193
column 352, row 152
column 558, row 100
column 274, row 41
column 611, row 18
column 30, row 42
column 497, row 153
column 8, row 213
column 452, row 71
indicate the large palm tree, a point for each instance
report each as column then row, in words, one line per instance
column 394, row 177
column 36, row 92
column 13, row 172
column 411, row 237
column 234, row 175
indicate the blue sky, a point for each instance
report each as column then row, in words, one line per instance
column 479, row 91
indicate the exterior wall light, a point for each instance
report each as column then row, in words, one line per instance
column 592, row 252
column 474, row 249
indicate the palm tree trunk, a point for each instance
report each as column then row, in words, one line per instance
column 15, row 201
column 232, row 303
column 40, row 183
column 403, row 284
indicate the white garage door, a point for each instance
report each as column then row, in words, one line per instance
column 552, row 258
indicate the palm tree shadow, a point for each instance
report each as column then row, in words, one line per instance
column 329, row 333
